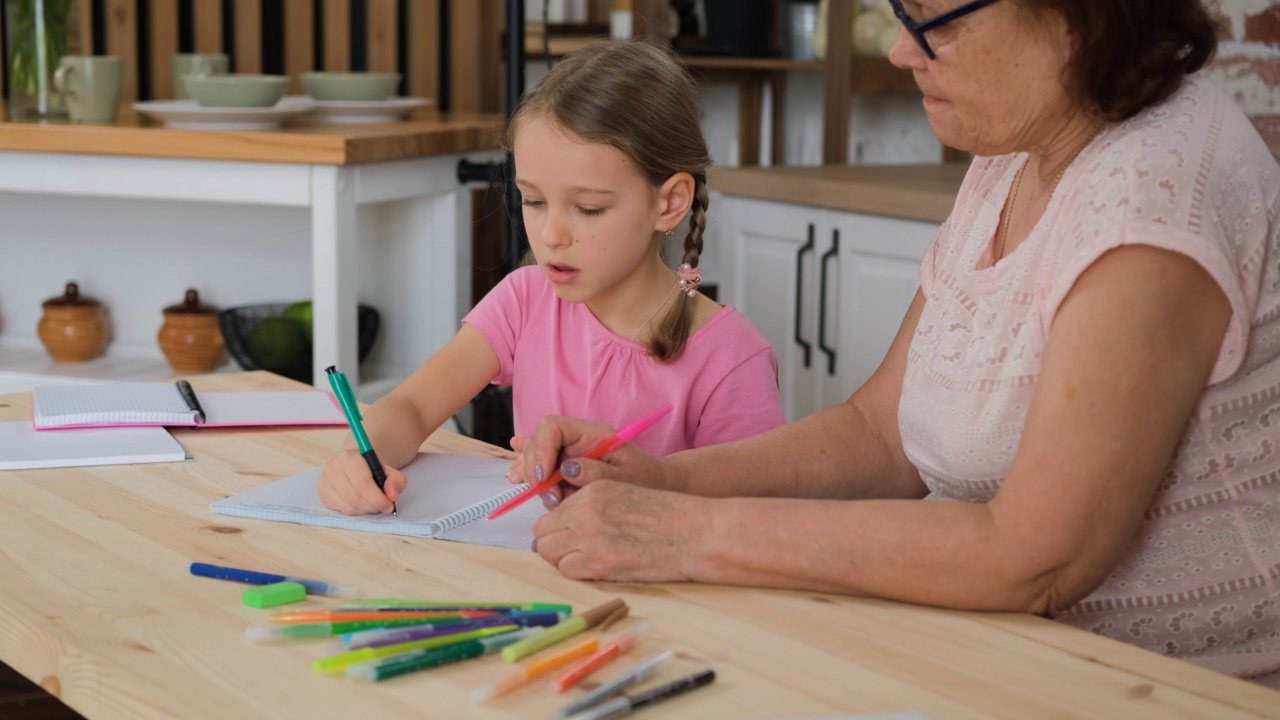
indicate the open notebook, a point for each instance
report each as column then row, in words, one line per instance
column 448, row 498
column 175, row 403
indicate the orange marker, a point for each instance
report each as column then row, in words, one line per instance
column 533, row 669
column 608, row 652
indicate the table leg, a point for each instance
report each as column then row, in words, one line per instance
column 335, row 276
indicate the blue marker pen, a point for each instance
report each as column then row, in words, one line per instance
column 317, row 587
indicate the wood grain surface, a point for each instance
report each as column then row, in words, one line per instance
column 97, row 607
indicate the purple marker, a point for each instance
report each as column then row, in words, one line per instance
column 389, row 636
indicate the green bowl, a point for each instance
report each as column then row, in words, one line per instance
column 236, row 89
column 358, row 86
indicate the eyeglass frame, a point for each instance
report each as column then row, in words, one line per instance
column 918, row 30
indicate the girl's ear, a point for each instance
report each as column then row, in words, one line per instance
column 675, row 197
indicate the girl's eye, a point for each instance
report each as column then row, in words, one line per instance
column 591, row 211
column 531, row 203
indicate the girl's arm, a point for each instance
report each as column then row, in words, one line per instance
column 399, row 422
column 1128, row 357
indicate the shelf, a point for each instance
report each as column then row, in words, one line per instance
column 870, row 75
column 708, row 62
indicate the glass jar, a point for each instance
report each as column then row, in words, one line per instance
column 38, row 33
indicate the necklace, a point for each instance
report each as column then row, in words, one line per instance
column 649, row 319
column 1017, row 183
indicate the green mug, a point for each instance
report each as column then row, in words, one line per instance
column 91, row 86
column 184, row 64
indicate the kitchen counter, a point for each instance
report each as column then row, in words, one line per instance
column 911, row 192
column 427, row 133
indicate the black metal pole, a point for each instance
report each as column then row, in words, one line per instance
column 517, row 242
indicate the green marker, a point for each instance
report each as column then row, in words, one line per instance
column 615, row 609
column 415, row 660
column 339, row 663
column 347, row 399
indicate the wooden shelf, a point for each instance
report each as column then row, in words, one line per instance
column 708, row 62
column 870, row 75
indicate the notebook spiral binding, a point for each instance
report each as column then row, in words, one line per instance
column 474, row 512
column 189, row 396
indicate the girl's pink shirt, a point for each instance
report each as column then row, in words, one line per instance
column 1191, row 176
column 561, row 361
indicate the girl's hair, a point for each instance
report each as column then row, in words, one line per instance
column 638, row 98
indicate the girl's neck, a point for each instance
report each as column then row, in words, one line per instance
column 639, row 300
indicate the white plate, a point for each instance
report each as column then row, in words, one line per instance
column 190, row 115
column 363, row 111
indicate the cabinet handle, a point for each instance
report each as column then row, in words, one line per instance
column 822, row 304
column 806, row 247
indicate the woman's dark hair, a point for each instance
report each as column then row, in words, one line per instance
column 1133, row 54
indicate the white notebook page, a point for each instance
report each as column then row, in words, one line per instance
column 143, row 402
column 23, row 447
column 439, row 485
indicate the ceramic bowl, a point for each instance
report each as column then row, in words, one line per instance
column 362, row 86
column 237, row 89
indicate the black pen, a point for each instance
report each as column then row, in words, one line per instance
column 624, row 704
column 347, row 399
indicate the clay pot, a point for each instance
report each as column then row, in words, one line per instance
column 73, row 328
column 190, row 337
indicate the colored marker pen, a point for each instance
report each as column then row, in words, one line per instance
column 636, row 675
column 314, row 587
column 403, row 604
column 415, row 660
column 392, row 636
column 624, row 705
column 533, row 669
column 607, row 653
column 611, row 611
column 305, row 631
column 340, row 662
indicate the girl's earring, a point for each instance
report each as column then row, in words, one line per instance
column 668, row 233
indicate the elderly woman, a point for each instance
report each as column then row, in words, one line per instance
column 1086, row 386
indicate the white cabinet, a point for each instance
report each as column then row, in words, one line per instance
column 827, row 288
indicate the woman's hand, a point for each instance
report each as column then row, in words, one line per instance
column 565, row 437
column 346, row 485
column 615, row 531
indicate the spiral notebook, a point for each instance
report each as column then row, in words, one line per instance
column 175, row 404
column 447, row 498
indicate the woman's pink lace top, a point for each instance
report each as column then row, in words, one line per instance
column 1202, row 580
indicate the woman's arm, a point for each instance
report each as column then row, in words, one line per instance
column 1128, row 357
column 851, row 450
column 399, row 422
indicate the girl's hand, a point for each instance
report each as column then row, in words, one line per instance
column 346, row 485
column 560, row 441
column 618, row 532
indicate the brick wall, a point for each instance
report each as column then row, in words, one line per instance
column 1248, row 62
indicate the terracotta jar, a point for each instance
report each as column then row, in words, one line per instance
column 190, row 337
column 73, row 327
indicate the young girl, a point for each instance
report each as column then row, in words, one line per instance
column 610, row 158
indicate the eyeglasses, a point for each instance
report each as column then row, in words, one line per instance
column 918, row 30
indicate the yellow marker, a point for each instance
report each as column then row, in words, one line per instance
column 338, row 663
column 533, row 669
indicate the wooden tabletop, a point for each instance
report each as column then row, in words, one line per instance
column 97, row 606
column 425, row 134
column 912, row 192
